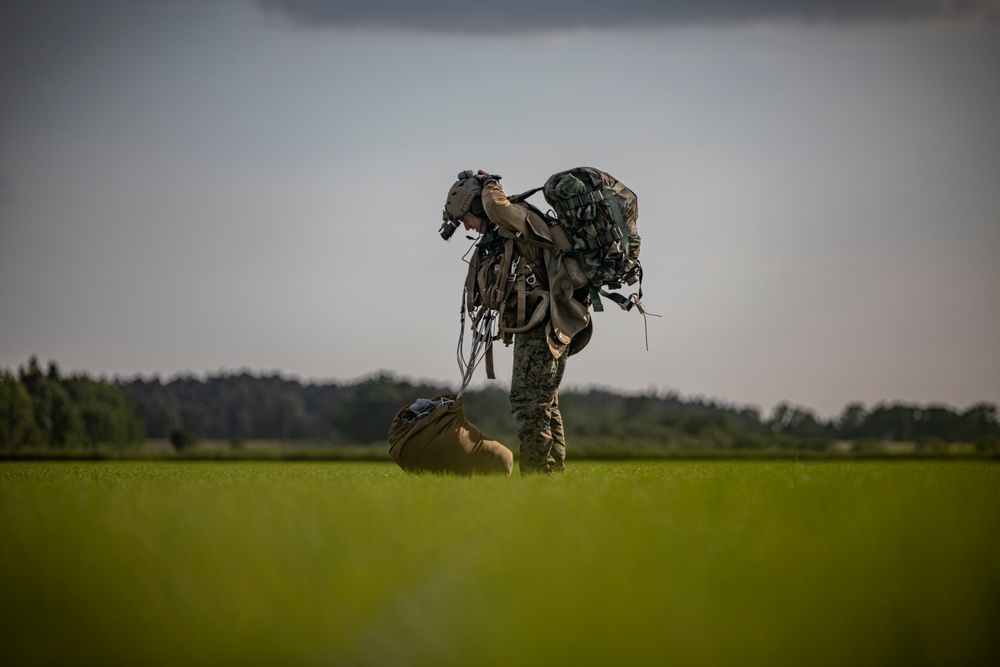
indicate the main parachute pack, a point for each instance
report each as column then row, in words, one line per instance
column 599, row 215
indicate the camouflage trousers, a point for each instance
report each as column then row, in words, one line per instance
column 534, row 402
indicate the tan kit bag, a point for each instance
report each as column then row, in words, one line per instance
column 443, row 440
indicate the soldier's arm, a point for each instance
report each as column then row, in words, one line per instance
column 501, row 211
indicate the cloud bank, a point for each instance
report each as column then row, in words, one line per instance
column 519, row 16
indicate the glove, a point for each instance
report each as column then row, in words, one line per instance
column 482, row 176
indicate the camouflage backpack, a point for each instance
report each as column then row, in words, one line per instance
column 598, row 214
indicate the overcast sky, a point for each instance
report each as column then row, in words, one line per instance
column 191, row 187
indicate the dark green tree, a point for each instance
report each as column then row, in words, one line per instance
column 17, row 421
column 55, row 414
column 979, row 425
column 364, row 415
column 794, row 420
column 181, row 439
column 850, row 424
column 106, row 412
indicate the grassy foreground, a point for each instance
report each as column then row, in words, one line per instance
column 748, row 562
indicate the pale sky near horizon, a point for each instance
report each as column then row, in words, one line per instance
column 196, row 187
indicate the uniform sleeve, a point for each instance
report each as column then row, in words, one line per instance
column 501, row 211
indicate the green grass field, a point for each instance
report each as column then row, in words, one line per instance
column 680, row 563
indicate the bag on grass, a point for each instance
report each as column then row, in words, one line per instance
column 433, row 435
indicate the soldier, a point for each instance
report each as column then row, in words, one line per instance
column 542, row 298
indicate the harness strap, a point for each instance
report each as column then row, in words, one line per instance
column 508, row 255
column 470, row 283
column 490, row 374
column 484, row 314
column 537, row 269
column 522, row 289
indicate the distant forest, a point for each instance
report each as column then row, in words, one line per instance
column 46, row 408
column 245, row 406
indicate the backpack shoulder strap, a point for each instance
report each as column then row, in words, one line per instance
column 517, row 199
column 523, row 199
column 549, row 220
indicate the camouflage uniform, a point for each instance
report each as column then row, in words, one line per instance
column 534, row 402
column 540, row 351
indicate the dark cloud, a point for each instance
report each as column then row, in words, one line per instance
column 539, row 15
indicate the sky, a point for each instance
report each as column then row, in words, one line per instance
column 191, row 187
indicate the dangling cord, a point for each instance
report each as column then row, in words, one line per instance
column 463, row 368
column 482, row 335
column 461, row 332
column 645, row 323
column 482, row 338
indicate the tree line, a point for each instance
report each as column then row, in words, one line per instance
column 45, row 408
column 245, row 406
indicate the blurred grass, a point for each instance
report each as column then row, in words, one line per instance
column 585, row 448
column 674, row 562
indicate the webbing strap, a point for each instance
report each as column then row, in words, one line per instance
column 490, row 375
column 619, row 218
column 522, row 289
column 517, row 199
column 508, row 254
column 624, row 302
column 595, row 299
column 587, row 198
column 470, row 283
